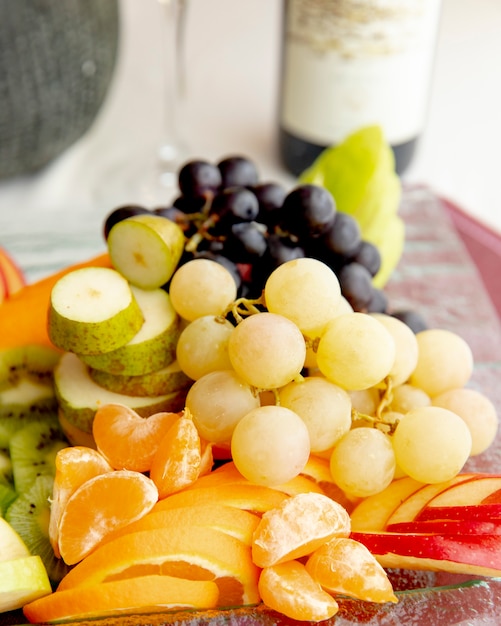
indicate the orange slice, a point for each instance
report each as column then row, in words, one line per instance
column 295, row 528
column 192, row 552
column 254, row 498
column 127, row 440
column 289, row 589
column 102, row 504
column 229, row 474
column 318, row 469
column 74, row 466
column 347, row 567
column 178, row 459
column 146, row 593
column 230, row 520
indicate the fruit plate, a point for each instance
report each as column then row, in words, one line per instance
column 436, row 276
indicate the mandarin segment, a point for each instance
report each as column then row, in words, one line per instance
column 295, row 528
column 289, row 589
column 177, row 461
column 345, row 566
column 74, row 466
column 151, row 593
column 100, row 505
column 197, row 553
column 127, row 440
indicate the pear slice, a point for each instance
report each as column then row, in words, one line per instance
column 11, row 544
column 165, row 380
column 93, row 310
column 153, row 347
column 79, row 396
column 146, row 249
column 22, row 580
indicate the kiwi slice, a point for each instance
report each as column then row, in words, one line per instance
column 35, row 363
column 7, row 497
column 33, row 450
column 29, row 515
column 5, row 468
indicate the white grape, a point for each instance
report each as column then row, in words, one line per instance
column 477, row 411
column 431, row 444
column 363, row 462
column 267, row 350
column 324, row 407
column 201, row 287
column 406, row 397
column 217, row 401
column 445, row 361
column 202, row 346
column 365, row 401
column 270, row 445
column 304, row 290
column 355, row 351
column 406, row 347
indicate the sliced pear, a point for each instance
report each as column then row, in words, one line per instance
column 11, row 544
column 80, row 397
column 165, row 380
column 93, row 310
column 22, row 580
column 153, row 347
column 146, row 249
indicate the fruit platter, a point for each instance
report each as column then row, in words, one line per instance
column 258, row 405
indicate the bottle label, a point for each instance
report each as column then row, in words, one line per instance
column 354, row 63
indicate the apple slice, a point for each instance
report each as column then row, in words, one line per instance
column 373, row 512
column 21, row 581
column 476, row 512
column 449, row 527
column 410, row 508
column 153, row 347
column 12, row 276
column 469, row 492
column 146, row 249
column 461, row 554
column 79, row 396
column 93, row 310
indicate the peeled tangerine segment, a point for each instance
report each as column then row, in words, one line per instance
column 93, row 310
column 153, row 347
column 79, row 396
column 146, row 249
column 296, row 527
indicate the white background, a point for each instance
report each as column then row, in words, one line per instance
column 232, row 61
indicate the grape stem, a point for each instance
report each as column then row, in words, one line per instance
column 243, row 307
column 384, row 402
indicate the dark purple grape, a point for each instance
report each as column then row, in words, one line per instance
column 231, row 206
column 122, row 213
column 369, row 256
column 378, row 303
column 246, row 242
column 179, row 217
column 307, row 211
column 283, row 249
column 238, row 171
column 414, row 320
column 199, row 178
column 343, row 237
column 356, row 285
column 271, row 197
column 189, row 205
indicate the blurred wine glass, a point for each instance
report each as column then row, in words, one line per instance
column 151, row 178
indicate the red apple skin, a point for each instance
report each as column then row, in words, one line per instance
column 462, row 554
column 449, row 527
column 13, row 277
column 493, row 498
column 484, row 512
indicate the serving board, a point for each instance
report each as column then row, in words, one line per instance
column 438, row 277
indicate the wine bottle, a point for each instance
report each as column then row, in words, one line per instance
column 347, row 64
